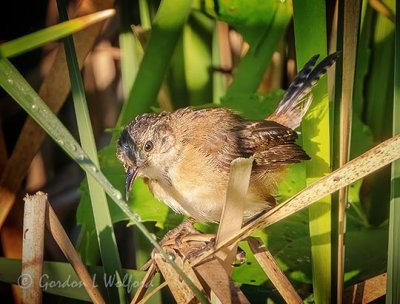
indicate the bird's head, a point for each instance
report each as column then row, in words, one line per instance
column 145, row 147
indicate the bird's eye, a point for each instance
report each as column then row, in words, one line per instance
column 148, row 146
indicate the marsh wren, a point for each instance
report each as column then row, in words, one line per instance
column 184, row 156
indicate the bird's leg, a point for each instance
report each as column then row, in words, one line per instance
column 210, row 243
column 179, row 232
column 194, row 253
column 174, row 237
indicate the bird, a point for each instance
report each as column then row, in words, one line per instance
column 184, row 156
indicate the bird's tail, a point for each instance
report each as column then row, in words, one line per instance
column 297, row 100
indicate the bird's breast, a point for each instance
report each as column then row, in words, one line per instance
column 191, row 189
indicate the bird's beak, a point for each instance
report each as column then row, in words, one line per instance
column 130, row 177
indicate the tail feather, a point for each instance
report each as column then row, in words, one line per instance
column 297, row 86
column 297, row 99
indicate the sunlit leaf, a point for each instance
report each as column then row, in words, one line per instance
column 31, row 41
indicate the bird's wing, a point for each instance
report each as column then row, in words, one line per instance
column 209, row 132
column 272, row 144
column 223, row 136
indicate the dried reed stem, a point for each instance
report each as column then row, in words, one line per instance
column 271, row 268
column 32, row 248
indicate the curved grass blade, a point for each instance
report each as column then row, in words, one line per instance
column 18, row 88
column 31, row 41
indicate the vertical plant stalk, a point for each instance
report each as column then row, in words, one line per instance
column 311, row 39
column 393, row 267
column 32, row 248
column 144, row 284
column 101, row 214
column 351, row 19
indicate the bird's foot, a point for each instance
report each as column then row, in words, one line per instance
column 173, row 239
column 176, row 235
column 207, row 243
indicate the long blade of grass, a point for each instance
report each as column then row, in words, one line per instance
column 393, row 267
column 29, row 42
column 165, row 34
column 18, row 88
column 101, row 213
column 311, row 38
column 350, row 34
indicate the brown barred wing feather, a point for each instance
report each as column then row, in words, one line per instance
column 272, row 144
